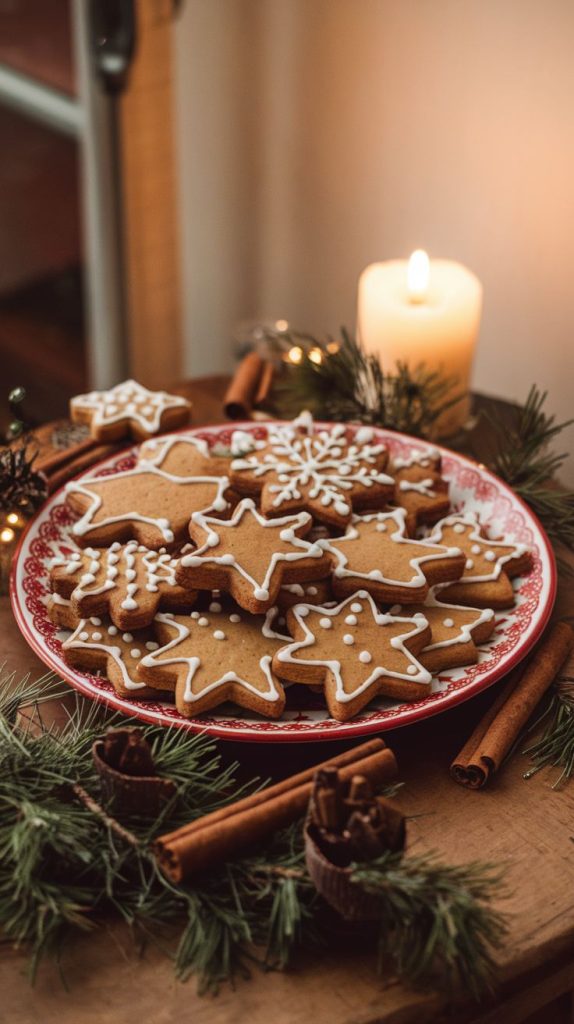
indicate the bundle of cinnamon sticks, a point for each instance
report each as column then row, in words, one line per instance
column 60, row 465
column 495, row 735
column 232, row 830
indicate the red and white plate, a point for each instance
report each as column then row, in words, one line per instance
column 472, row 488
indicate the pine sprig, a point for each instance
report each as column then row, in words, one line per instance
column 555, row 748
column 64, row 868
column 343, row 382
column 435, row 916
column 526, row 462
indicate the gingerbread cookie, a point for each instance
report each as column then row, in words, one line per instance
column 356, row 652
column 129, row 410
column 129, row 582
column 375, row 554
column 303, row 467
column 489, row 567
column 149, row 503
column 249, row 556
column 420, row 488
column 216, row 656
column 60, row 612
column 96, row 645
column 456, row 632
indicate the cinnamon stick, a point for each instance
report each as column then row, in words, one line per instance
column 76, row 465
column 485, row 750
column 265, row 385
column 229, row 831
column 240, row 395
column 48, row 463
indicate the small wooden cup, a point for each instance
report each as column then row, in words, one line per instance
column 131, row 795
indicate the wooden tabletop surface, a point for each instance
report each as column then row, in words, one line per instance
column 523, row 824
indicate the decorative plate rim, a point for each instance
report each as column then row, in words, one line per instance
column 269, row 731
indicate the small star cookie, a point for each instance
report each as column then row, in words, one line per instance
column 149, row 503
column 304, row 467
column 129, row 582
column 420, row 488
column 489, row 565
column 456, row 632
column 216, row 656
column 129, row 410
column 375, row 554
column 250, row 556
column 356, row 653
column 96, row 645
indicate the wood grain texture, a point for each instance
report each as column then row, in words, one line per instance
column 151, row 248
column 524, row 825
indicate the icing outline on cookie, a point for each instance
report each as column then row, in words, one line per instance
column 128, row 401
column 464, row 520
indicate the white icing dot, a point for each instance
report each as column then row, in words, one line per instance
column 287, row 535
column 215, row 606
column 348, row 639
column 356, row 607
column 458, row 528
column 351, row 620
column 135, row 653
column 475, row 549
column 395, row 610
column 84, row 635
column 96, row 636
column 203, row 621
column 469, row 563
column 195, row 615
column 381, row 527
column 260, row 594
column 218, row 634
column 235, row 618
column 226, row 559
column 312, row 591
column 127, row 638
column 151, row 645
column 365, row 657
column 325, row 623
column 302, row 610
column 112, row 630
column 490, row 556
column 95, row 621
column 448, row 623
column 412, row 670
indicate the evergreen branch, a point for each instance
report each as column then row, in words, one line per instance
column 436, row 917
column 343, row 382
column 555, row 748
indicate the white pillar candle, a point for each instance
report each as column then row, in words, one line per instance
column 423, row 312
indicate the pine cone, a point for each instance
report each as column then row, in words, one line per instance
column 20, row 486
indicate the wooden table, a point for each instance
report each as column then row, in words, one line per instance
column 523, row 824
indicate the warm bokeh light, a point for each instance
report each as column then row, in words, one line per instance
column 333, row 347
column 12, row 518
column 295, row 354
column 7, row 535
column 316, row 356
column 281, row 325
column 418, row 275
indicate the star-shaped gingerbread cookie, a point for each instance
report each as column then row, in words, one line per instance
column 216, row 656
column 375, row 554
column 149, row 503
column 303, row 467
column 356, row 652
column 489, row 567
column 420, row 488
column 129, row 410
column 96, row 645
column 457, row 631
column 249, row 556
column 129, row 582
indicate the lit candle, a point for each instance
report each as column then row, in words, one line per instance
column 423, row 312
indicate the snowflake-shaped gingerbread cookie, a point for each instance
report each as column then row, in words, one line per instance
column 129, row 409
column 489, row 567
column 303, row 467
column 356, row 652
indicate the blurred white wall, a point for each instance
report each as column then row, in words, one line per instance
column 320, row 135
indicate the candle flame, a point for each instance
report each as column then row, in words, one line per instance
column 418, row 275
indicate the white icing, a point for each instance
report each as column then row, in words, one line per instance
column 425, row 487
column 413, row 626
column 135, row 652
column 366, row 657
column 417, row 458
column 465, row 630
column 351, row 620
column 235, row 618
column 448, row 623
column 81, row 639
column 317, row 462
column 325, row 623
column 128, row 400
column 127, row 638
column 285, row 526
column 348, row 639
